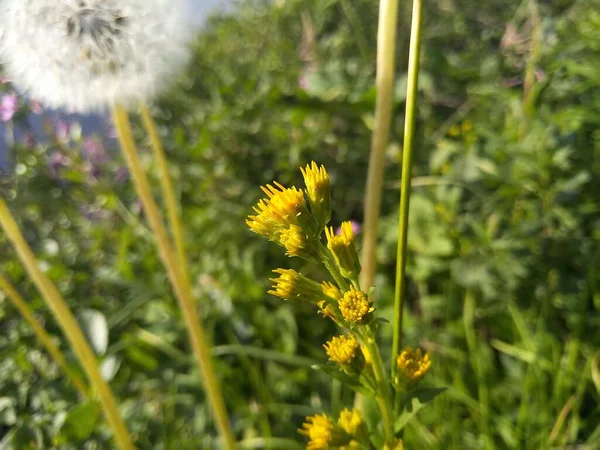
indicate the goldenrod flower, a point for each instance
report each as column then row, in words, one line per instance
column 318, row 191
column 297, row 243
column 331, row 290
column 283, row 208
column 323, row 433
column 350, row 420
column 292, row 285
column 413, row 364
column 319, row 429
column 342, row 349
column 354, row 305
column 343, row 250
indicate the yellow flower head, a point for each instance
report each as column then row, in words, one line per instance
column 283, row 207
column 343, row 250
column 295, row 241
column 331, row 290
column 354, row 305
column 413, row 364
column 319, row 429
column 292, row 285
column 318, row 191
column 350, row 421
column 342, row 349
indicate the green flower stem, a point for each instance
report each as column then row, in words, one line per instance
column 179, row 281
column 407, row 157
column 383, row 394
column 69, row 324
column 332, row 268
column 386, row 48
column 41, row 334
column 166, row 185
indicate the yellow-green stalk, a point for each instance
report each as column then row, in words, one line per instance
column 41, row 334
column 386, row 49
column 407, row 157
column 179, row 281
column 68, row 323
column 166, row 185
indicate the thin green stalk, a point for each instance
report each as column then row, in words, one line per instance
column 166, row 186
column 407, row 157
column 383, row 395
column 386, row 48
column 69, row 324
column 482, row 387
column 181, row 284
column 332, row 268
column 41, row 334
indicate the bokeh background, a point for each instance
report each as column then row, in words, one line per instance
column 504, row 229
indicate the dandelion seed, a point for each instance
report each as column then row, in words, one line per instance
column 87, row 55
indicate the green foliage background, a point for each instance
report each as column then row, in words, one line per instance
column 504, row 240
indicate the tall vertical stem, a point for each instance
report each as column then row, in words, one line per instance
column 41, row 334
column 179, row 281
column 69, row 324
column 166, row 185
column 407, row 157
column 386, row 48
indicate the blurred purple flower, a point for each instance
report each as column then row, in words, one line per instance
column 29, row 140
column 58, row 161
column 9, row 105
column 121, row 175
column 355, row 228
column 63, row 130
column 94, row 214
column 93, row 150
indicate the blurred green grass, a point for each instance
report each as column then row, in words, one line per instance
column 503, row 239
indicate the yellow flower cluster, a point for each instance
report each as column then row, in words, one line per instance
column 342, row 349
column 319, row 430
column 324, row 433
column 413, row 364
column 318, row 191
column 343, row 250
column 292, row 285
column 354, row 305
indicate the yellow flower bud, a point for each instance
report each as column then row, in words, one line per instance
column 292, row 285
column 343, row 250
column 413, row 364
column 318, row 191
column 354, row 305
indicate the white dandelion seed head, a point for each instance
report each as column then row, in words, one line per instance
column 86, row 55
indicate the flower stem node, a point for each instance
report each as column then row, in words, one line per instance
column 318, row 192
column 355, row 306
column 412, row 365
column 343, row 250
column 292, row 285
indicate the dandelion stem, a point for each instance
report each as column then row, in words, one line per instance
column 386, row 48
column 180, row 283
column 407, row 157
column 69, row 324
column 168, row 192
column 41, row 334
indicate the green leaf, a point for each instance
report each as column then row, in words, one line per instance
column 412, row 403
column 80, row 422
column 352, row 382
